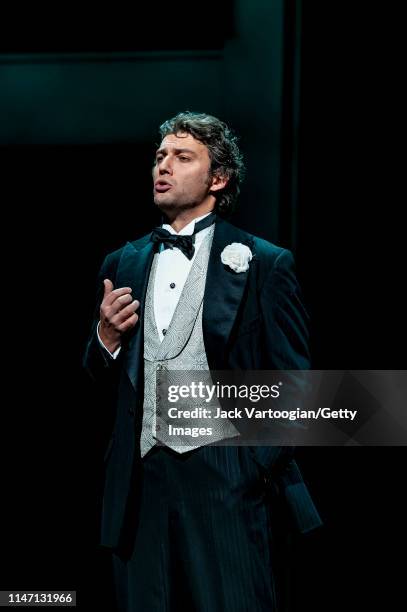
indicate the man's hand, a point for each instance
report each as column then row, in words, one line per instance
column 117, row 314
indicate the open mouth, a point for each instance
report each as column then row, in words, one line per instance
column 161, row 187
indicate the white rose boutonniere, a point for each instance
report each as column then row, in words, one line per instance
column 236, row 256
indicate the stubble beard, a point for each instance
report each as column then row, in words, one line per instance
column 182, row 202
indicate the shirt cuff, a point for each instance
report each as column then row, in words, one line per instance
column 112, row 355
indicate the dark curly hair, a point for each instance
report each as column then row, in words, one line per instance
column 226, row 158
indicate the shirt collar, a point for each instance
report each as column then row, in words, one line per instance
column 188, row 230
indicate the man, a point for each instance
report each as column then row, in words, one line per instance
column 194, row 526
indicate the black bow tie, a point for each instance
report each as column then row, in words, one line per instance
column 160, row 235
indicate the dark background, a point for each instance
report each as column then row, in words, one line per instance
column 313, row 90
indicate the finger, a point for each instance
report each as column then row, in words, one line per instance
column 108, row 287
column 114, row 294
column 121, row 302
column 128, row 323
column 119, row 306
column 124, row 313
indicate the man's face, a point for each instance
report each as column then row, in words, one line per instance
column 181, row 173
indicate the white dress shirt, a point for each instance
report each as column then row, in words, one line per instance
column 172, row 271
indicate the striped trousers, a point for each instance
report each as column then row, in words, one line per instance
column 202, row 535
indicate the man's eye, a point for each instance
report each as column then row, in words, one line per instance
column 158, row 159
column 183, row 158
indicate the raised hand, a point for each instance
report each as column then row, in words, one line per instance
column 117, row 314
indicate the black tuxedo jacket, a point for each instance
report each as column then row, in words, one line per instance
column 251, row 320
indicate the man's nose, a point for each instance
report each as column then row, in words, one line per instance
column 165, row 166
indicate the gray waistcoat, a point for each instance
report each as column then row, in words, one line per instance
column 181, row 349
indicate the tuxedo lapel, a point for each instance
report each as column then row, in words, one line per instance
column 133, row 271
column 223, row 293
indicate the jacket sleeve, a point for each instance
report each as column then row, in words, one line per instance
column 285, row 317
column 285, row 337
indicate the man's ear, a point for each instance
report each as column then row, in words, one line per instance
column 219, row 181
